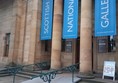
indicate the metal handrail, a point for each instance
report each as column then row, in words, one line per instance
column 14, row 70
column 48, row 76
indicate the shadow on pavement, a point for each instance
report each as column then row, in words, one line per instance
column 89, row 81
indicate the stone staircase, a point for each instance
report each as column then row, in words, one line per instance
column 28, row 74
column 3, row 72
column 26, row 71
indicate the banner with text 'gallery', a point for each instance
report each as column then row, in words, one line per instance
column 105, row 17
column 46, row 25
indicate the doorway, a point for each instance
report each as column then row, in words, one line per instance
column 77, row 54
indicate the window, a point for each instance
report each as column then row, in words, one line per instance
column 111, row 44
column 68, row 46
column 7, row 44
column 63, row 45
column 46, row 46
column 106, row 44
column 102, row 45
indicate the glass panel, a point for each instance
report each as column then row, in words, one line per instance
column 102, row 45
column 68, row 46
column 111, row 44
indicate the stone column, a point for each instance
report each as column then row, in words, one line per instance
column 30, row 32
column 17, row 9
column 22, row 31
column 86, row 37
column 56, row 37
column 33, row 29
column 38, row 41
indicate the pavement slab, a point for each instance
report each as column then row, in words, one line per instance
column 60, row 78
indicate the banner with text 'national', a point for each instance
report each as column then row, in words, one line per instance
column 70, row 22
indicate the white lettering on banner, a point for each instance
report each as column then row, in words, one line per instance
column 70, row 15
column 104, row 13
column 46, row 17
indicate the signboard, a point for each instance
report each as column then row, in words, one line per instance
column 70, row 25
column 105, row 17
column 68, row 46
column 46, row 26
column 102, row 45
column 109, row 69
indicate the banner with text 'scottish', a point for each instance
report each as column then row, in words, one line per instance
column 46, row 25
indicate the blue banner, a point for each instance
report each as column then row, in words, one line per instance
column 105, row 17
column 70, row 24
column 46, row 26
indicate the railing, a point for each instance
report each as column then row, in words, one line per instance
column 49, row 76
column 45, row 76
column 14, row 70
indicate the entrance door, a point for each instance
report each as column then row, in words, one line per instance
column 77, row 50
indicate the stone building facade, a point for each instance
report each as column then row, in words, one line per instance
column 20, row 23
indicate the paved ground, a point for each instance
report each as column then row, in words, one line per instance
column 60, row 78
column 9, row 79
column 98, row 80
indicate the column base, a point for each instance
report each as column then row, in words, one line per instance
column 85, row 75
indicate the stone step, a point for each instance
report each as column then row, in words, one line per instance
column 4, row 74
column 24, row 76
column 31, row 71
column 28, row 73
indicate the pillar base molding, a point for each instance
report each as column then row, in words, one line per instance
column 88, row 75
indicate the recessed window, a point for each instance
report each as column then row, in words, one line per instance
column 102, row 45
column 7, row 44
column 111, row 44
column 106, row 44
column 68, row 46
column 63, row 45
column 46, row 46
